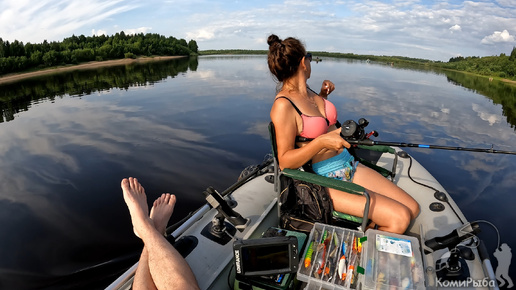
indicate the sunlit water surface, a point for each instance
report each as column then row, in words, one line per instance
column 63, row 222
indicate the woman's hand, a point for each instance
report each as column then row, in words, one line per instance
column 326, row 88
column 333, row 141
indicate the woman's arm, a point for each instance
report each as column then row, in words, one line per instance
column 284, row 117
column 326, row 88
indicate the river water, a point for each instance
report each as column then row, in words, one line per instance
column 66, row 141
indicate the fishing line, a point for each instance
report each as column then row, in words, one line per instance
column 450, row 139
column 410, row 176
column 430, row 187
column 494, row 227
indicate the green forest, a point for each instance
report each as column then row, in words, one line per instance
column 17, row 57
column 503, row 66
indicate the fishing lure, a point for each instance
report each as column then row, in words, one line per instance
column 342, row 268
column 329, row 270
column 333, row 253
column 309, row 253
column 323, row 256
column 349, row 274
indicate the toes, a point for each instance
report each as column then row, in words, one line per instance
column 172, row 200
column 125, row 184
column 132, row 184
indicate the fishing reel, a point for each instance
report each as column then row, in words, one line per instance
column 353, row 131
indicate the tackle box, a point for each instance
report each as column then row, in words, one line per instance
column 392, row 261
column 352, row 260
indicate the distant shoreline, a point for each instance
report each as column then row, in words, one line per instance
column 89, row 65
column 97, row 64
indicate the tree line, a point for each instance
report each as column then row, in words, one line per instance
column 16, row 56
column 502, row 66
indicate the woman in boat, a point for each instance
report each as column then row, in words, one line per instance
column 298, row 111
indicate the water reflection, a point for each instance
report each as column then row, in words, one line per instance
column 18, row 96
column 183, row 125
column 497, row 91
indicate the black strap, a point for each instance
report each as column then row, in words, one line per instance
column 295, row 107
column 313, row 91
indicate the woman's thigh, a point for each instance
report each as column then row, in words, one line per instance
column 374, row 181
column 384, row 211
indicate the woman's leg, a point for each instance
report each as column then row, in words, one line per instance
column 388, row 214
column 391, row 208
column 374, row 181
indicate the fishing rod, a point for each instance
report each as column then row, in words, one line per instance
column 400, row 144
column 354, row 133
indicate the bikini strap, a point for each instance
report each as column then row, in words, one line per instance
column 313, row 91
column 295, row 107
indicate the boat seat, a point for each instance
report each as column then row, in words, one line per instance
column 300, row 174
column 366, row 154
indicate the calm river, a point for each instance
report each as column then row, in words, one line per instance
column 182, row 125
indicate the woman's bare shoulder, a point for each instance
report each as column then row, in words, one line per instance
column 281, row 102
column 282, row 108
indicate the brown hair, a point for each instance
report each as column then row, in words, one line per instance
column 284, row 56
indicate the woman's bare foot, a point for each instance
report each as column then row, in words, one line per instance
column 136, row 200
column 162, row 210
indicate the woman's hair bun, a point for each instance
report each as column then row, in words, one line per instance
column 272, row 39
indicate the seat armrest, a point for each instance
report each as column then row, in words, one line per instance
column 341, row 185
column 324, row 181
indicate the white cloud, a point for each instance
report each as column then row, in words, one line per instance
column 36, row 21
column 98, row 32
column 201, row 34
column 498, row 36
column 455, row 28
column 137, row 30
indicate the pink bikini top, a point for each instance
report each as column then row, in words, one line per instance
column 314, row 126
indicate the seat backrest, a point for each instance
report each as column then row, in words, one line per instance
column 272, row 136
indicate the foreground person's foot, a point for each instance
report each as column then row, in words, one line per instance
column 136, row 200
column 162, row 210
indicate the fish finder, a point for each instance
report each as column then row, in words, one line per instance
column 266, row 256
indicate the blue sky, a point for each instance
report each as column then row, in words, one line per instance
column 435, row 30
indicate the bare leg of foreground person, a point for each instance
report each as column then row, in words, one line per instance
column 161, row 266
column 161, row 212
